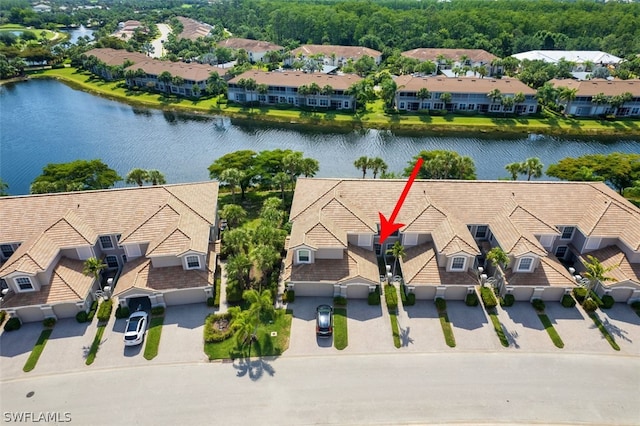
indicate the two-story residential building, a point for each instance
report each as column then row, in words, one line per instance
column 333, row 55
column 581, row 59
column 467, row 95
column 110, row 62
column 192, row 29
column 157, row 243
column 601, row 97
column 294, row 88
column 466, row 61
column 256, row 49
column 448, row 229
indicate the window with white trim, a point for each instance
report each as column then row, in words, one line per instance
column 105, row 242
column 481, row 231
column 457, row 264
column 567, row 233
column 193, row 262
column 304, row 256
column 525, row 264
column 111, row 261
column 24, row 283
column 561, row 251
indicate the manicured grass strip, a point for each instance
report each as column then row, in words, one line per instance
column 340, row 334
column 395, row 330
column 153, row 338
column 91, row 356
column 498, row 328
column 449, row 338
column 603, row 330
column 37, row 350
column 555, row 337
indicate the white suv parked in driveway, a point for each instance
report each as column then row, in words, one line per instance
column 135, row 329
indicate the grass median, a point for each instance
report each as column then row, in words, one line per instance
column 95, row 345
column 340, row 332
column 37, row 351
column 605, row 333
column 153, row 338
column 553, row 334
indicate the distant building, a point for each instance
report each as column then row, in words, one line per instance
column 109, row 59
column 593, row 97
column 256, row 49
column 333, row 55
column 446, row 60
column 193, row 29
column 580, row 58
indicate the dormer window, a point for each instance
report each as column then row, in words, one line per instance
column 105, row 242
column 458, row 263
column 304, row 256
column 24, row 284
column 567, row 232
column 525, row 264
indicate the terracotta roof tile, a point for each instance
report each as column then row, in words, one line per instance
column 430, row 54
column 298, row 78
column 420, row 267
column 115, row 57
column 249, row 45
column 353, row 52
column 408, row 83
column 613, row 257
column 550, row 272
column 191, row 71
column 596, row 86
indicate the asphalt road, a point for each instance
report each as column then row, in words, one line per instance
column 407, row 388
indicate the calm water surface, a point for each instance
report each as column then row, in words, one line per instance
column 44, row 121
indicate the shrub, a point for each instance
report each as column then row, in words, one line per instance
column 104, row 310
column 340, row 301
column 589, row 305
column 12, row 324
column 441, row 304
column 49, row 322
column 122, row 312
column 211, row 334
column 218, row 287
column 210, row 301
column 82, row 317
column 568, row 301
column 289, row 296
column 411, row 299
column 508, row 300
column 538, row 304
column 488, row 299
column 234, row 293
column 596, row 298
column 580, row 293
column 471, row 299
column 607, row 301
column 373, row 298
column 3, row 315
column 391, row 297
column 92, row 310
column 158, row 310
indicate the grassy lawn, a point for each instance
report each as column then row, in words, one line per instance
column 603, row 330
column 395, row 329
column 37, row 350
column 447, row 330
column 91, row 356
column 374, row 117
column 555, row 337
column 498, row 327
column 153, row 338
column 340, row 333
column 266, row 345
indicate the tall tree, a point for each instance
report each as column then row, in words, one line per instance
column 155, row 177
column 514, row 170
column 79, row 175
column 137, row 176
column 244, row 160
column 378, row 165
column 532, row 167
column 398, row 252
column 234, row 214
column 4, row 186
column 92, row 267
column 596, row 273
column 232, row 177
column 440, row 164
column 363, row 163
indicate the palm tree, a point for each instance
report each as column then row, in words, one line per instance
column 363, row 163
column 166, row 78
column 532, row 167
column 378, row 165
column 596, row 273
column 137, row 176
column 261, row 304
column 238, row 268
column 264, row 259
column 326, row 90
column 281, row 179
column 599, row 99
column 397, row 251
column 3, row 188
column 495, row 95
column 423, row 94
column 233, row 214
column 232, row 177
column 156, row 178
column 514, row 169
column 92, row 268
column 236, row 241
column 446, row 98
column 310, row 167
column 507, row 104
column 498, row 258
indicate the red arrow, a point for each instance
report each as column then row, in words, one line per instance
column 388, row 227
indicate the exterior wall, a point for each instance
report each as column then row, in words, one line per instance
column 456, row 292
column 521, row 294
column 424, row 238
column 30, row 314
column 621, row 294
column 577, row 240
column 553, row 294
column 461, row 102
column 326, row 253
column 314, row 289
column 186, row 89
column 166, row 261
column 425, row 292
column 184, row 297
column 66, row 310
column 357, row 291
column 582, row 106
column 289, row 96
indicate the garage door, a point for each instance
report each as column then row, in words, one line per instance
column 455, row 292
column 424, row 292
column 357, row 291
column 30, row 314
column 65, row 310
column 552, row 294
column 522, row 294
column 184, row 297
column 621, row 294
column 141, row 302
column 314, row 289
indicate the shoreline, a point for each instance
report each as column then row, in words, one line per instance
column 556, row 126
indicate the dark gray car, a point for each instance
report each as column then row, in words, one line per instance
column 324, row 321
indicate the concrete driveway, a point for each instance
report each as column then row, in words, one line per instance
column 624, row 325
column 182, row 334
column 15, row 348
column 524, row 329
column 303, row 340
column 369, row 329
column 420, row 329
column 472, row 327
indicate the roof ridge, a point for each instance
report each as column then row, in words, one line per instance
column 175, row 229
column 146, row 220
column 317, row 200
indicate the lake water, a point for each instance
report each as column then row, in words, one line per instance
column 44, row 121
column 81, row 31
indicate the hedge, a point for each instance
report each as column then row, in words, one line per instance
column 104, row 311
column 508, row 300
column 13, row 324
column 3, row 315
column 92, row 310
column 590, row 305
column 49, row 322
column 488, row 298
column 411, row 299
column 568, row 301
column 471, row 299
column 158, row 310
column 211, row 301
column 289, row 296
column 82, row 317
column 391, row 297
column 538, row 304
column 373, row 298
column 441, row 304
column 607, row 301
column 340, row 301
column 580, row 293
column 211, row 335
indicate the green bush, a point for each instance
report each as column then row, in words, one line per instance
column 373, row 298
column 3, row 315
column 157, row 310
column 607, row 301
column 211, row 301
column 212, row 334
column 590, row 305
column 289, row 296
column 104, row 310
column 488, row 298
column 636, row 305
column 596, row 298
column 411, row 299
column 234, row 293
column 580, row 293
column 82, row 317
column 441, row 304
column 340, row 301
column 122, row 312
column 471, row 299
column 218, row 287
column 538, row 305
column 391, row 297
column 13, row 324
column 92, row 310
column 568, row 301
column 49, row 322
column 508, row 300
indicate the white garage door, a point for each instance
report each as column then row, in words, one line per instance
column 184, row 297
column 455, row 292
column 30, row 314
column 357, row 291
column 522, row 294
column 314, row 289
column 425, row 292
column 552, row 294
column 621, row 294
column 65, row 310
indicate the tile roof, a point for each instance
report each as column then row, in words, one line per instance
column 193, row 29
column 249, row 45
column 354, row 52
column 429, row 54
column 420, row 267
column 298, row 78
column 115, row 57
column 408, row 83
column 596, row 86
column 623, row 270
column 192, row 71
column 550, row 272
